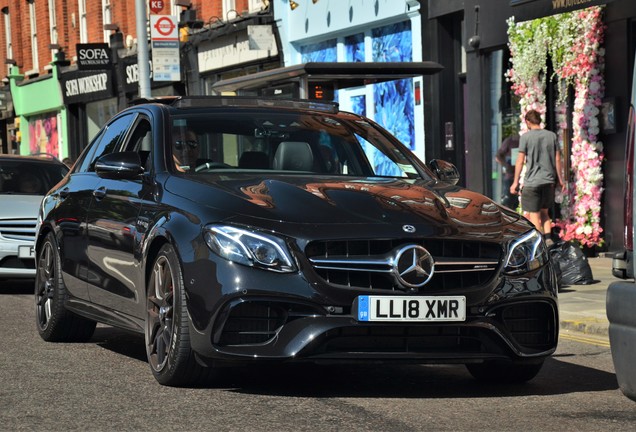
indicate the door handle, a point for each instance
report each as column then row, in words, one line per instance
column 100, row 193
column 64, row 192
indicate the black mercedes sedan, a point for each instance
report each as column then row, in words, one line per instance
column 231, row 231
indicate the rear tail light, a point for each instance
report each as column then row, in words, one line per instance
column 629, row 181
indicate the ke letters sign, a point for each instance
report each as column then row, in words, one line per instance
column 156, row 6
column 93, row 56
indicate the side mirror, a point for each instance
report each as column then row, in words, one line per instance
column 119, row 166
column 445, row 171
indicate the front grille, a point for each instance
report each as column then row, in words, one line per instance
column 402, row 339
column 368, row 264
column 531, row 325
column 18, row 229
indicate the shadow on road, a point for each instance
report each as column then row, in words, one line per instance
column 558, row 376
column 412, row 381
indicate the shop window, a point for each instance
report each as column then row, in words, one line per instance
column 503, row 130
column 34, row 36
column 8, row 44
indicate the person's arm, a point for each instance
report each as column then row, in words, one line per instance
column 559, row 168
column 521, row 158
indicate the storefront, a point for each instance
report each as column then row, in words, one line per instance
column 323, row 32
column 245, row 45
column 89, row 98
column 40, row 114
column 492, row 100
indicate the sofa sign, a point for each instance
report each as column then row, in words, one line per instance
column 84, row 87
column 93, row 56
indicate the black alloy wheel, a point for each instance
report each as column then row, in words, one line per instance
column 168, row 348
column 54, row 322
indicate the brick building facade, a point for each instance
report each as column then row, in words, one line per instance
column 68, row 22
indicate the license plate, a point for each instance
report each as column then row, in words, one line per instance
column 26, row 252
column 403, row 308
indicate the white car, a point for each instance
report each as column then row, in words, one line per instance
column 24, row 180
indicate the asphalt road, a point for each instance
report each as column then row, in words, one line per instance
column 106, row 385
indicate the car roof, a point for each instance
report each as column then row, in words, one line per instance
column 239, row 102
column 43, row 158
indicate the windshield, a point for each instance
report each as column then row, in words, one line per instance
column 29, row 177
column 292, row 143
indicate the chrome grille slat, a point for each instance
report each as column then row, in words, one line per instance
column 368, row 264
column 18, row 229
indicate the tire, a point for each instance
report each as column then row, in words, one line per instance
column 54, row 322
column 504, row 372
column 170, row 355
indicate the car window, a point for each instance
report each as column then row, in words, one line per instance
column 110, row 140
column 28, row 177
column 285, row 141
column 85, row 157
column 140, row 141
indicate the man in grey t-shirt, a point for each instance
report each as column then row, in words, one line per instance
column 539, row 150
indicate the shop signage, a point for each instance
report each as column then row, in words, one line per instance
column 93, row 56
column 557, row 6
column 130, row 68
column 234, row 49
column 84, row 86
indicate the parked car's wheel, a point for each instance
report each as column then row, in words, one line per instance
column 167, row 335
column 54, row 322
column 504, row 371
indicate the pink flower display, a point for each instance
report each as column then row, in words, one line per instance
column 574, row 41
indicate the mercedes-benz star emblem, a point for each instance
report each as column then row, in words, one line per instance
column 414, row 266
column 408, row 228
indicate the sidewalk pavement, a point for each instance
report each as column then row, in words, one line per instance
column 582, row 307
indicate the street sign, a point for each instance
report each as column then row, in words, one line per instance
column 156, row 6
column 164, row 27
column 164, row 38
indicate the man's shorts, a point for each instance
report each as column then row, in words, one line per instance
column 536, row 198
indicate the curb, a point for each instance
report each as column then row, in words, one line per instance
column 589, row 326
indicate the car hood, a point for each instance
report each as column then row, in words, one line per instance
column 19, row 206
column 440, row 208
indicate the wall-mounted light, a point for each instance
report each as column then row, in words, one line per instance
column 315, row 1
column 111, row 26
column 54, row 46
column 10, row 62
column 183, row 3
column 292, row 4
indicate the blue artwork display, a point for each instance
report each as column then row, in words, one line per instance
column 359, row 105
column 354, row 48
column 320, row 52
column 393, row 100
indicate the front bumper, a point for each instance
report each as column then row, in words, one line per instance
column 11, row 265
column 509, row 319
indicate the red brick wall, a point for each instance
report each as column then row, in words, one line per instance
column 68, row 25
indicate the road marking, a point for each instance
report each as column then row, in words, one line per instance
column 590, row 341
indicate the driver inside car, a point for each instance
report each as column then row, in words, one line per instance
column 185, row 149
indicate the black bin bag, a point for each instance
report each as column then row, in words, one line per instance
column 572, row 263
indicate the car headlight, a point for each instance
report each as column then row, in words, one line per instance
column 526, row 253
column 249, row 248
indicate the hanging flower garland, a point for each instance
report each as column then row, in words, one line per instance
column 573, row 40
